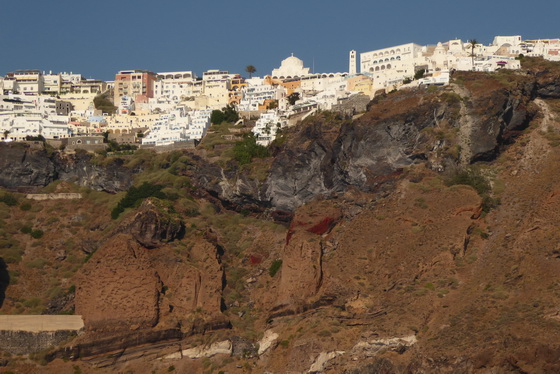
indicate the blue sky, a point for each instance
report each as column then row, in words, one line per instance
column 98, row 38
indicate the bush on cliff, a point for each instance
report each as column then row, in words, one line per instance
column 472, row 177
column 8, row 199
column 274, row 267
column 245, row 150
column 103, row 103
column 136, row 194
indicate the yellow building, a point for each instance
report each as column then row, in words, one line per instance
column 360, row 83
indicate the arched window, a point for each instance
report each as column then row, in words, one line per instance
column 388, row 66
column 382, row 67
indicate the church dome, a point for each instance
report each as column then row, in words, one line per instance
column 291, row 67
column 292, row 62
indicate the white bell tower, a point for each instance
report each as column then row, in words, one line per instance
column 352, row 63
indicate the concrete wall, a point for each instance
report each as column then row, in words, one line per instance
column 189, row 144
column 53, row 196
column 34, row 333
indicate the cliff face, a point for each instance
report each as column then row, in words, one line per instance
column 24, row 166
column 21, row 166
column 467, row 122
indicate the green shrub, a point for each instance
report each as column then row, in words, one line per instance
column 37, row 234
column 470, row 177
column 103, row 103
column 473, row 178
column 26, row 229
column 8, row 199
column 245, row 150
column 25, row 206
column 274, row 267
column 135, row 194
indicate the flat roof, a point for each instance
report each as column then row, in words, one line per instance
column 40, row 323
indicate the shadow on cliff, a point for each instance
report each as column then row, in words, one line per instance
column 4, row 280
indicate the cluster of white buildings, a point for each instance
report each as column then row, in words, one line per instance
column 171, row 107
column 388, row 67
column 23, row 116
column 179, row 125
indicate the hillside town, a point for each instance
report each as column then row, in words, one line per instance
column 173, row 109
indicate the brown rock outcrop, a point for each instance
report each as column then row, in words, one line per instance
column 118, row 289
column 301, row 274
column 153, row 225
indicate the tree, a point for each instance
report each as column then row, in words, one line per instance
column 292, row 98
column 419, row 74
column 473, row 42
column 227, row 114
column 245, row 150
column 250, row 69
column 217, row 117
column 6, row 133
column 230, row 113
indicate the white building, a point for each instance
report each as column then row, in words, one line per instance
column 291, row 67
column 19, row 125
column 323, row 82
column 267, row 126
column 199, row 123
column 126, row 105
column 178, row 126
column 52, row 83
column 175, row 86
column 168, row 129
column 254, row 96
column 549, row 49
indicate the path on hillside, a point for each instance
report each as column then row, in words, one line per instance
column 39, row 323
column 466, row 126
column 538, row 145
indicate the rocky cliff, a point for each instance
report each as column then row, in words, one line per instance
column 23, row 166
column 418, row 237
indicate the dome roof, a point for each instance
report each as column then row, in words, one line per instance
column 291, row 67
column 292, row 61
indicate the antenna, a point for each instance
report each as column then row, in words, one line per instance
column 313, row 67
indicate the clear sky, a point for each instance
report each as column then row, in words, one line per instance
column 98, row 38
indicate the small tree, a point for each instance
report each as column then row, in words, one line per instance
column 217, row 117
column 230, row 113
column 473, row 43
column 419, row 74
column 247, row 149
column 292, row 98
column 250, row 69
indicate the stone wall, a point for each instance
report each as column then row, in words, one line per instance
column 53, row 196
column 23, row 334
column 25, row 342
